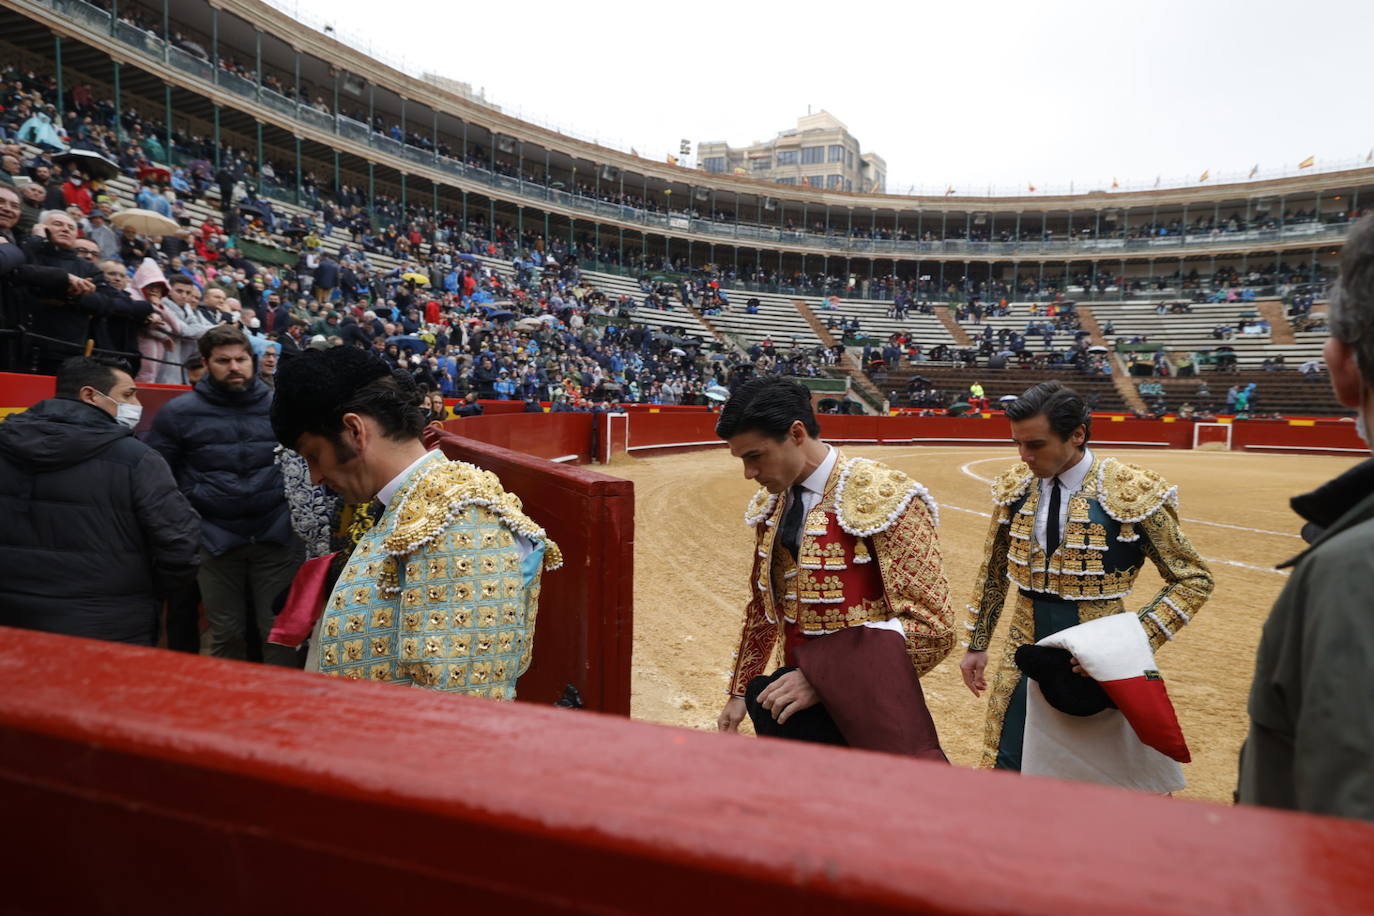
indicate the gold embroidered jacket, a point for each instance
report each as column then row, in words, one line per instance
column 868, row 512
column 437, row 594
column 1122, row 515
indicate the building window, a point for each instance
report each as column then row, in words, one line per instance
column 849, row 159
column 836, row 154
column 848, row 185
column 832, row 182
column 760, row 165
column 789, row 157
column 714, row 163
column 785, row 180
column 812, row 155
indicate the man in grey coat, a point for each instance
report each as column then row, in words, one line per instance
column 1311, row 742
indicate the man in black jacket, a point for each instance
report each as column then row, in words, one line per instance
column 219, row 442
column 65, row 318
column 96, row 532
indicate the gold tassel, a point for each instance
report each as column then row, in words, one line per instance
column 861, row 553
column 1127, row 533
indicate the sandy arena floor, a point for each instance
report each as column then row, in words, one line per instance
column 692, row 564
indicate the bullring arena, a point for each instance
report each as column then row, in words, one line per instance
column 630, row 294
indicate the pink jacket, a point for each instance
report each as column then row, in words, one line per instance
column 153, row 339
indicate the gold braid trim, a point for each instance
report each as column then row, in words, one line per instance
column 870, row 497
column 1130, row 494
column 1011, row 484
column 434, row 498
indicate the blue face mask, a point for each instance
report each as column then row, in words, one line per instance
column 125, row 414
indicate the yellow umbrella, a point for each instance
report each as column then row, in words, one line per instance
column 145, row 222
column 417, row 279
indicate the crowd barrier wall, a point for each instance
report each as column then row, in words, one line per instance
column 555, row 436
column 584, row 633
column 160, row 782
column 644, row 429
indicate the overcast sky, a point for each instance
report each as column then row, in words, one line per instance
column 965, row 95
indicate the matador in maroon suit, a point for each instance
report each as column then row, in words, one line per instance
column 847, row 581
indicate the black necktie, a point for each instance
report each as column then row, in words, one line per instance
column 792, row 522
column 1052, row 521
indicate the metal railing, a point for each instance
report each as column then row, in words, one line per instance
column 725, row 232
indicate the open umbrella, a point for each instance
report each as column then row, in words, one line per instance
column 155, row 173
column 413, row 344
column 958, row 408
column 145, row 222
column 250, row 210
column 417, row 279
column 678, row 351
column 1008, row 398
column 500, row 315
column 1098, row 348
column 468, row 257
column 717, row 393
column 529, row 324
column 89, row 161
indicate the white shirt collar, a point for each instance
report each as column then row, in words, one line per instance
column 816, row 481
column 386, row 493
column 1072, row 479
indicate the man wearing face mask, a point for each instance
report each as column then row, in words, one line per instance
column 96, row 532
column 1311, row 745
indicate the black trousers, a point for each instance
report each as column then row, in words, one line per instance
column 814, row 724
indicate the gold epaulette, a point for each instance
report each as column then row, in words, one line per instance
column 761, row 506
column 1130, row 494
column 870, row 496
column 431, row 503
column 1012, row 484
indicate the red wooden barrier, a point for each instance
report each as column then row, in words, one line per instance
column 151, row 781
column 566, row 436
column 584, row 633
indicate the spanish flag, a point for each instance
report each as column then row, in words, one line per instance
column 1206, row 173
column 672, row 160
column 949, row 189
column 740, row 171
column 1030, row 187
column 1308, row 162
column 1114, row 184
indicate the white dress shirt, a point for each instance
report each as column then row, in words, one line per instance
column 1070, row 482
column 813, row 487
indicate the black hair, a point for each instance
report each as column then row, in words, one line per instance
column 768, row 404
column 193, row 362
column 315, row 389
column 1060, row 404
column 180, row 280
column 96, row 371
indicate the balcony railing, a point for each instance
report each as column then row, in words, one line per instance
column 830, row 244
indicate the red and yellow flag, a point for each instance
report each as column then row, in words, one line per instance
column 1308, row 162
column 1206, row 173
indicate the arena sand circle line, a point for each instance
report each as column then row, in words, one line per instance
column 966, row 469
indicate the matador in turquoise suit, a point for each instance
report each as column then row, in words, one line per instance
column 443, row 591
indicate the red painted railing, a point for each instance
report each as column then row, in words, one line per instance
column 139, row 780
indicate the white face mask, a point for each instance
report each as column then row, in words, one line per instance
column 125, row 414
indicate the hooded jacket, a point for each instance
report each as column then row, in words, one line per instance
column 221, row 448
column 95, row 531
column 157, row 342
